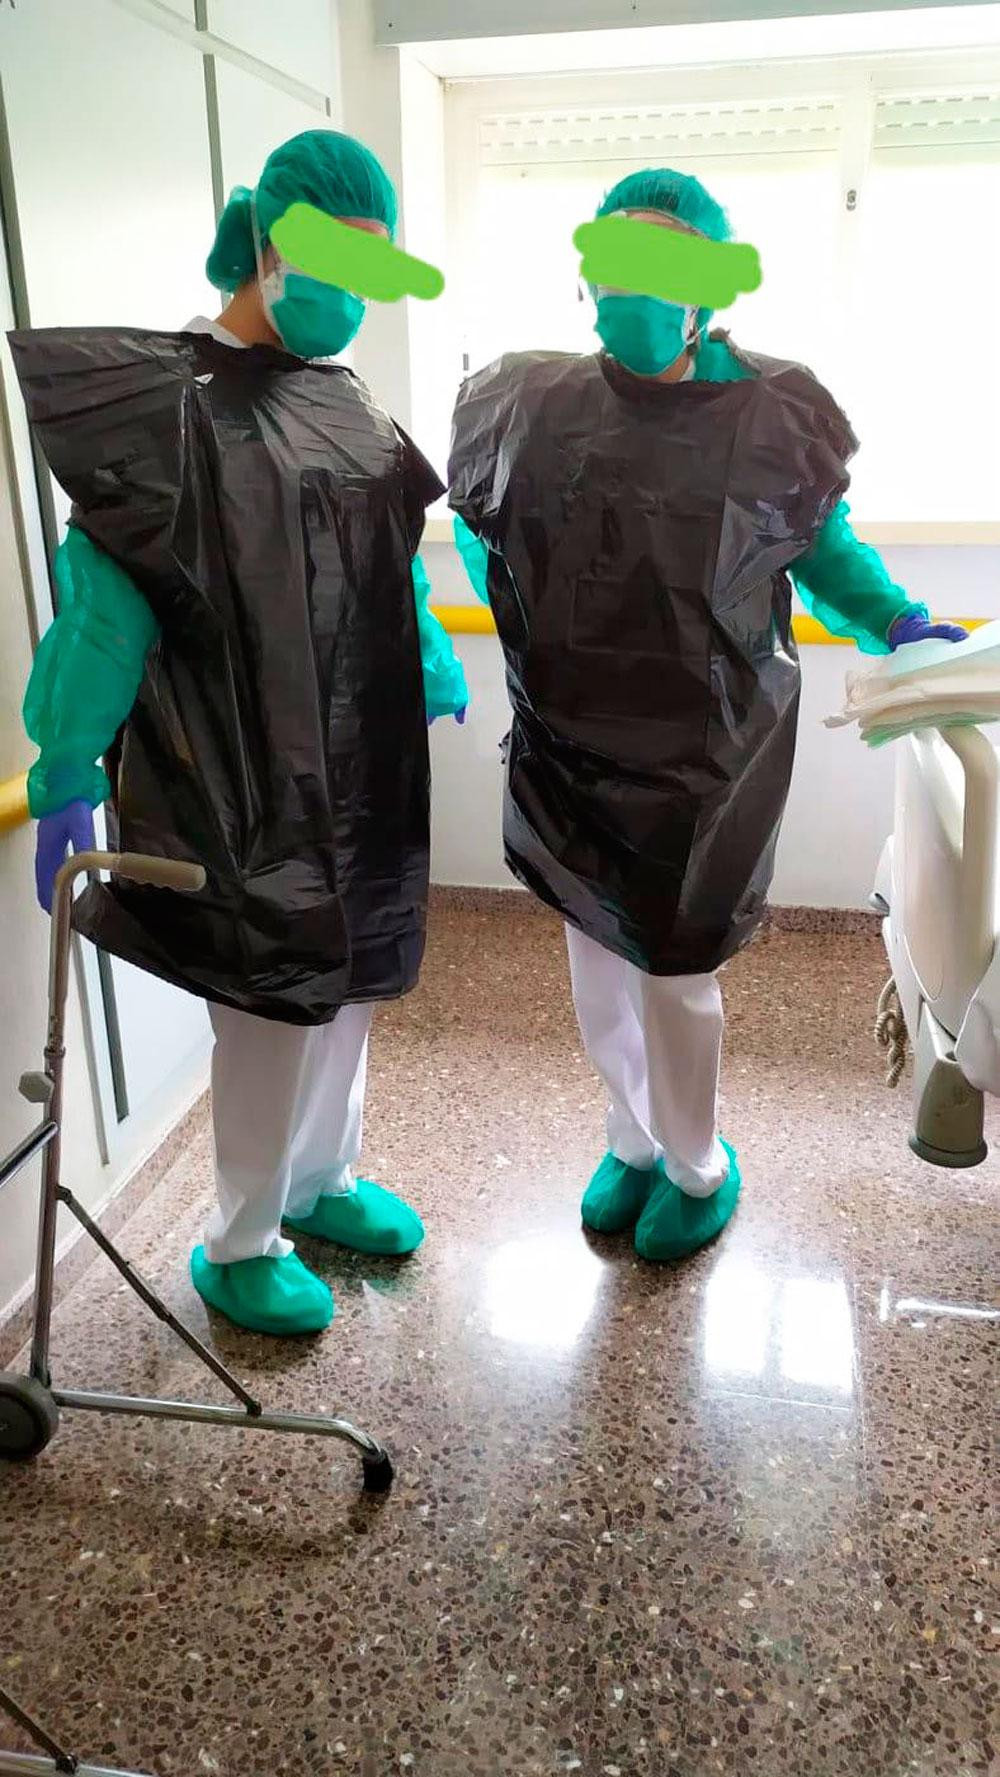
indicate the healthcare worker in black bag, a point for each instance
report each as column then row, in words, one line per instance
column 634, row 517
column 243, row 635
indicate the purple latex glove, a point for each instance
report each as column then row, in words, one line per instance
column 460, row 716
column 71, row 826
column 921, row 629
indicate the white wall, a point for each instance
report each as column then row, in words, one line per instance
column 840, row 807
column 372, row 110
column 425, row 234
column 395, row 105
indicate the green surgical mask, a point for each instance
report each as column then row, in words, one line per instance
column 312, row 319
column 644, row 333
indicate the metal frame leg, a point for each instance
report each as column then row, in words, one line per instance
column 46, row 1089
column 948, row 1113
column 250, row 1415
column 27, row 1764
column 56, row 1757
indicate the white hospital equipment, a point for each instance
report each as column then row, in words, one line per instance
column 938, row 887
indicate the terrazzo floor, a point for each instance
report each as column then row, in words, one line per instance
column 731, row 1517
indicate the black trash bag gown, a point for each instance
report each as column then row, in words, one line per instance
column 268, row 510
column 640, row 537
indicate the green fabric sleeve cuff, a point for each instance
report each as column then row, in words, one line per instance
column 475, row 558
column 846, row 586
column 445, row 690
column 53, row 786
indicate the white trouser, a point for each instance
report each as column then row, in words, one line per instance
column 656, row 1041
column 288, row 1103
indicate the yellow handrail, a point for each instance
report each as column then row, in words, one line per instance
column 477, row 620
column 14, row 803
column 458, row 620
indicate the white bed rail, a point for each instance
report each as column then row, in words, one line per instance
column 941, row 933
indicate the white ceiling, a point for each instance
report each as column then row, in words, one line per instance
column 945, row 27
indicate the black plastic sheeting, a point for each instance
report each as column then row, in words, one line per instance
column 268, row 510
column 639, row 539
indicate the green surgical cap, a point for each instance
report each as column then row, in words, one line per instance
column 336, row 173
column 675, row 194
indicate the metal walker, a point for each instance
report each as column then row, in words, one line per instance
column 29, row 1405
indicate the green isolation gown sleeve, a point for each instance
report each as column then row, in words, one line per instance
column 842, row 582
column 475, row 556
column 845, row 585
column 87, row 670
column 445, row 689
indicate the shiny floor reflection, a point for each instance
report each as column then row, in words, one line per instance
column 778, row 1330
column 732, row 1517
column 541, row 1291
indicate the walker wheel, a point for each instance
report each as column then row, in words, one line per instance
column 29, row 1417
column 378, row 1473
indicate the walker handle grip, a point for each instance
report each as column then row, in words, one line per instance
column 166, row 873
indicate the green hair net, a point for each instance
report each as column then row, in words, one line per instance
column 336, row 173
column 675, row 194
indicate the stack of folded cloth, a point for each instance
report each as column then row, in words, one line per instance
column 926, row 685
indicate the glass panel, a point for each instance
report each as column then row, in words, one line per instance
column 924, row 376
column 297, row 39
column 109, row 142
column 254, row 118
column 109, row 148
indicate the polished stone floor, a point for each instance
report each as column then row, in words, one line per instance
column 732, row 1517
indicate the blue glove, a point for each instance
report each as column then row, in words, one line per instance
column 71, row 826
column 920, row 629
column 460, row 716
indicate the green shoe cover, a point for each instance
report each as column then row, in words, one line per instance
column 279, row 1296
column 674, row 1224
column 616, row 1196
column 367, row 1219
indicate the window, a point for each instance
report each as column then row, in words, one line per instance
column 924, row 376
column 871, row 206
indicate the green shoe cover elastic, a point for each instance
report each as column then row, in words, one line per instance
column 367, row 1219
column 616, row 1196
column 674, row 1224
column 280, row 1296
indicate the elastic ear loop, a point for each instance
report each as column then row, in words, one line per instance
column 258, row 250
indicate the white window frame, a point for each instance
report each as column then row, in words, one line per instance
column 855, row 82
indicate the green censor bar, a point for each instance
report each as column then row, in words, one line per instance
column 621, row 253
column 367, row 264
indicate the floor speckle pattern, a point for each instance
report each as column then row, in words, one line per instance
column 734, row 1517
